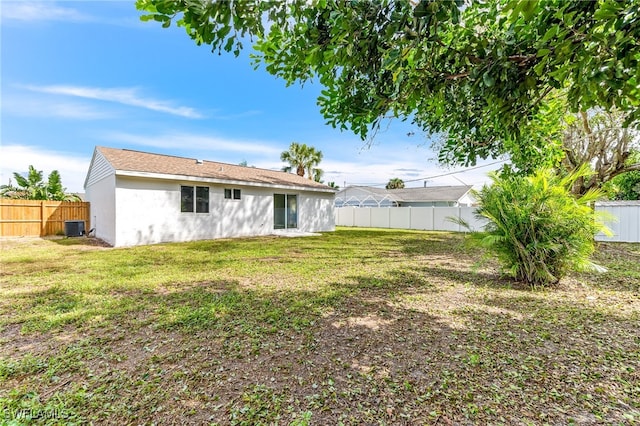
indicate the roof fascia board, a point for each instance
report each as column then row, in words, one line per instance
column 220, row 181
column 86, row 178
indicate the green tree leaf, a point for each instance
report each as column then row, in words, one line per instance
column 477, row 72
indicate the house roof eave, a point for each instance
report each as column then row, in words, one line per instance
column 148, row 175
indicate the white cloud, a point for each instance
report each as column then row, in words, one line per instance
column 123, row 95
column 41, row 11
column 17, row 158
column 41, row 107
column 78, row 111
column 193, row 142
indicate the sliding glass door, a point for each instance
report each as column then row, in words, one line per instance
column 285, row 211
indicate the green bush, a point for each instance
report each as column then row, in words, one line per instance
column 537, row 228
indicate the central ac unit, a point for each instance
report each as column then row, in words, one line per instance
column 74, row 228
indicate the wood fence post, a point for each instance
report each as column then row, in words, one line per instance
column 42, row 224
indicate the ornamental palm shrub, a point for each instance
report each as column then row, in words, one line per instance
column 537, row 228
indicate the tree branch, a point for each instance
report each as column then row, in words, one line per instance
column 585, row 122
column 456, row 76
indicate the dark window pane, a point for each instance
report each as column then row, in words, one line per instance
column 186, row 199
column 227, row 193
column 236, row 194
column 279, row 211
column 202, row 199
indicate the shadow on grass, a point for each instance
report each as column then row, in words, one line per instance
column 79, row 241
column 399, row 280
column 220, row 304
column 350, row 350
column 475, row 278
column 437, row 243
column 225, row 305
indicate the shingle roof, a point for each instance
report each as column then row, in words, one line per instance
column 430, row 193
column 144, row 162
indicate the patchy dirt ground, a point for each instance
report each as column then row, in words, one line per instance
column 348, row 328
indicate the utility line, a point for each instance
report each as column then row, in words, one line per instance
column 432, row 177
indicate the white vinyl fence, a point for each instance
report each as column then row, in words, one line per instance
column 423, row 218
column 624, row 223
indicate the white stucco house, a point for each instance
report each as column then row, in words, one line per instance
column 143, row 198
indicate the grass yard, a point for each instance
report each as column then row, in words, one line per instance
column 354, row 327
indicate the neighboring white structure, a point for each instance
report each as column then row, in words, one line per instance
column 428, row 196
column 143, row 198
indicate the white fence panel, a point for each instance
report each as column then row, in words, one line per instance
column 400, row 218
column 468, row 214
column 625, row 224
column 362, row 217
column 421, row 218
column 441, row 217
column 344, row 216
column 380, row 217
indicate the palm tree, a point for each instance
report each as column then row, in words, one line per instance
column 302, row 158
column 395, row 183
column 317, row 175
column 315, row 157
column 296, row 156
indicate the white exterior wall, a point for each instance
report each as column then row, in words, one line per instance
column 317, row 211
column 101, row 196
column 148, row 212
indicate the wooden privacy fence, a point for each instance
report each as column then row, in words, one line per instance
column 22, row 218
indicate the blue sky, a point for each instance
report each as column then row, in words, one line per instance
column 76, row 74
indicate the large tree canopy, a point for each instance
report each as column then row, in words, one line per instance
column 477, row 72
column 598, row 140
column 568, row 141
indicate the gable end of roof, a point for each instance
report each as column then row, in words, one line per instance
column 99, row 168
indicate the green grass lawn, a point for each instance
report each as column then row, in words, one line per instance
column 354, row 327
